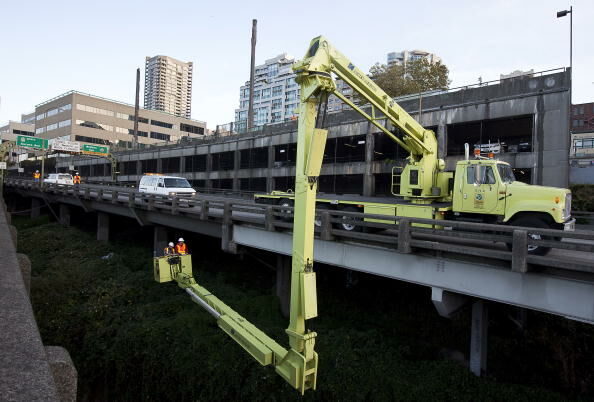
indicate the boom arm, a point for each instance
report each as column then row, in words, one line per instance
column 322, row 60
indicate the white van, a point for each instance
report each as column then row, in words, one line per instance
column 59, row 178
column 170, row 186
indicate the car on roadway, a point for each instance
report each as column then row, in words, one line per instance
column 168, row 186
column 60, row 179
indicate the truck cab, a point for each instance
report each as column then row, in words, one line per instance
column 488, row 188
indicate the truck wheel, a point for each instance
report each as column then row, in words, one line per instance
column 532, row 222
column 349, row 223
column 286, row 214
column 320, row 208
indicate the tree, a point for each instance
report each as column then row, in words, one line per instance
column 416, row 76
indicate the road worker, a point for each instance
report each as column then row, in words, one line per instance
column 181, row 247
column 76, row 179
column 170, row 249
column 36, row 176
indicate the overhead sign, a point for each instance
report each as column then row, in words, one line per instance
column 2, row 165
column 66, row 146
column 31, row 142
column 90, row 149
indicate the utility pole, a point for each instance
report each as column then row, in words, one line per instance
column 250, row 116
column 136, row 107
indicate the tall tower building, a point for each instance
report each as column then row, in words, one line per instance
column 168, row 85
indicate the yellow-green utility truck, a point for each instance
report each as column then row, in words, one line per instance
column 481, row 189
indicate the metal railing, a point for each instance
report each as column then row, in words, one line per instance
column 434, row 238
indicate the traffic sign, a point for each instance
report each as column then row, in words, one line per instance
column 95, row 149
column 66, row 146
column 31, row 142
column 2, row 165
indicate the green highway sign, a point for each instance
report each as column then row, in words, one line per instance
column 31, row 142
column 94, row 149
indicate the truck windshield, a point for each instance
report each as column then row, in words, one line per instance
column 506, row 173
column 179, row 183
column 65, row 177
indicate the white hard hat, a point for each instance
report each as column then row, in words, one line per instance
column 181, row 239
column 37, row 171
column 170, row 244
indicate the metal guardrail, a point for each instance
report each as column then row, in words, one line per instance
column 405, row 235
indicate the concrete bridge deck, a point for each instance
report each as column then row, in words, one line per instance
column 460, row 265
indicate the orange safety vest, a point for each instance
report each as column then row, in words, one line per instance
column 181, row 248
column 36, row 175
column 76, row 179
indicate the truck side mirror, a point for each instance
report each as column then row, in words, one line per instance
column 159, row 184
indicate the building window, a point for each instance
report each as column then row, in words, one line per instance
column 277, row 91
column 266, row 93
column 291, row 95
column 92, row 140
column 191, row 129
column 140, row 133
column 40, row 116
column 140, row 119
column 276, row 117
column 22, row 132
column 91, row 124
column 64, row 123
column 64, row 108
column 160, row 136
column 51, row 127
column 277, row 104
column 161, row 124
column 40, row 130
column 96, row 110
column 52, row 112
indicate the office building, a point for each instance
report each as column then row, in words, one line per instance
column 76, row 116
column 168, row 85
column 10, row 131
column 405, row 56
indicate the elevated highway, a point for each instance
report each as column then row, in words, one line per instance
column 462, row 263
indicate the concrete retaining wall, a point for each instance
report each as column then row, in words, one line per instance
column 29, row 371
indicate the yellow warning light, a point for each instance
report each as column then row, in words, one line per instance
column 557, row 199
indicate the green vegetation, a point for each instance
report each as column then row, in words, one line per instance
column 134, row 339
column 583, row 197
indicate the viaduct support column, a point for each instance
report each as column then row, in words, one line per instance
column 35, row 207
column 208, row 183
column 64, row 214
column 368, row 179
column 269, row 177
column 102, row 226
column 159, row 240
column 236, row 166
column 283, row 282
column 478, row 338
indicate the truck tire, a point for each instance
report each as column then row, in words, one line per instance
column 286, row 214
column 532, row 222
column 349, row 223
column 320, row 207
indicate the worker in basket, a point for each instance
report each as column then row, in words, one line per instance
column 170, row 249
column 76, row 179
column 36, row 176
column 181, row 248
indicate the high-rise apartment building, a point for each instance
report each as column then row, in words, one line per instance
column 168, row 85
column 276, row 94
column 403, row 57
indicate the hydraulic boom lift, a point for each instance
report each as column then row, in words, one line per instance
column 422, row 182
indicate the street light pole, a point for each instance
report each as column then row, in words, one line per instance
column 559, row 15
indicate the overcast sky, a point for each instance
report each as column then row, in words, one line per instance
column 50, row 47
